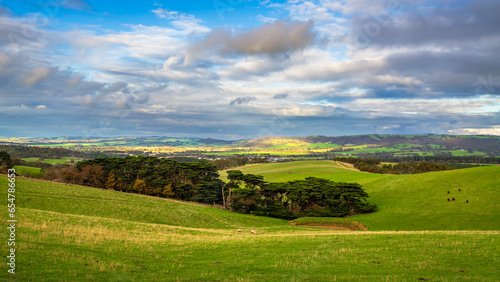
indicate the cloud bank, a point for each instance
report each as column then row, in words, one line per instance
column 300, row 68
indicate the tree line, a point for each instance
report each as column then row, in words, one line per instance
column 21, row 151
column 190, row 181
column 236, row 161
column 373, row 165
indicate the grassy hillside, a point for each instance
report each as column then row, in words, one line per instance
column 407, row 145
column 74, row 233
column 410, row 202
column 79, row 200
column 24, row 170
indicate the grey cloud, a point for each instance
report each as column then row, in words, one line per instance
column 20, row 34
column 276, row 38
column 280, row 96
column 142, row 99
column 416, row 25
column 89, row 101
column 74, row 4
column 242, row 100
column 114, row 87
column 432, row 49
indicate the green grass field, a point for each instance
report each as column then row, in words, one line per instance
column 74, row 233
column 24, row 170
column 409, row 202
column 52, row 161
column 30, row 159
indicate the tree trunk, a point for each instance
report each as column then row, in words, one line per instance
column 223, row 198
column 229, row 199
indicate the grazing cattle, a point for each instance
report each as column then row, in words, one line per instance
column 240, row 231
column 253, row 232
column 467, row 201
column 210, row 221
column 453, row 199
column 191, row 215
column 459, row 189
column 448, row 199
column 448, row 192
column 203, row 219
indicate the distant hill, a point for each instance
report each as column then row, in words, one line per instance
column 450, row 141
column 368, row 145
column 482, row 143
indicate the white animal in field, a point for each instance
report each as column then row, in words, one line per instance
column 253, row 232
column 240, row 231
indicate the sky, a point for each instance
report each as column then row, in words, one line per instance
column 235, row 69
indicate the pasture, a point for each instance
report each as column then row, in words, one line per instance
column 409, row 202
column 74, row 233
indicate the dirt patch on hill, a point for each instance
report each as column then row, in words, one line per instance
column 347, row 166
column 332, row 226
column 346, row 225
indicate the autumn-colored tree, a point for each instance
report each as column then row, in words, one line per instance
column 139, row 186
column 93, row 175
column 71, row 174
column 167, row 191
column 111, row 182
column 120, row 185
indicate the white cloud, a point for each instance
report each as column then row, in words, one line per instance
column 182, row 21
column 166, row 14
column 392, row 126
column 495, row 130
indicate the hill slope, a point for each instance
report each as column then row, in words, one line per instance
column 410, row 202
column 73, row 233
column 80, row 200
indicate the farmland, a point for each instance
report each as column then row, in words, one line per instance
column 79, row 233
column 398, row 197
column 370, row 145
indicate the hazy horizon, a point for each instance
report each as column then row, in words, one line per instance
column 209, row 137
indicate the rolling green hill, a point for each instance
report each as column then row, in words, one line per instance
column 23, row 170
column 410, row 202
column 75, row 233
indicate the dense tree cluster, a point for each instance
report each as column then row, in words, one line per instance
column 18, row 151
column 249, row 193
column 236, row 161
column 193, row 181
column 373, row 165
column 5, row 162
column 445, row 159
column 409, row 168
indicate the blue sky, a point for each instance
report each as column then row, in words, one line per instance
column 234, row 69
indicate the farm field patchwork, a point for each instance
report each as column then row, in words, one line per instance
column 370, row 145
